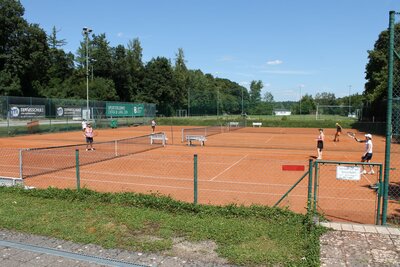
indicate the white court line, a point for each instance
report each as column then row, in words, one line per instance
column 229, row 167
column 269, row 139
column 168, row 178
column 187, row 188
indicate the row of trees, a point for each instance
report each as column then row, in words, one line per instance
column 33, row 63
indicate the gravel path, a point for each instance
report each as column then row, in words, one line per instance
column 338, row 248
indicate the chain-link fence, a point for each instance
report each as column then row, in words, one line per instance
column 343, row 191
column 23, row 115
column 392, row 170
column 137, row 165
column 339, row 191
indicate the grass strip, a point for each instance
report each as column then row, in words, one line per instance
column 254, row 235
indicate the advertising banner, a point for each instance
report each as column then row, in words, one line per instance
column 27, row 111
column 70, row 112
column 124, row 110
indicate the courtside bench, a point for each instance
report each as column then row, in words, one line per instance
column 158, row 137
column 257, row 124
column 201, row 138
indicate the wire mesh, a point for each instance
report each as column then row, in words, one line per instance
column 203, row 131
column 394, row 182
column 38, row 161
column 9, row 163
column 222, row 179
column 345, row 199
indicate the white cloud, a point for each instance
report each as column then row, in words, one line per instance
column 288, row 72
column 226, row 59
column 275, row 62
column 244, row 83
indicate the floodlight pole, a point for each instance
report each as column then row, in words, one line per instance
column 188, row 101
column 349, row 100
column 86, row 32
column 300, row 100
column 242, row 103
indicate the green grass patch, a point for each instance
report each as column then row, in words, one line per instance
column 245, row 235
column 295, row 121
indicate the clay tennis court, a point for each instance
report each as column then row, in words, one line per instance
column 243, row 167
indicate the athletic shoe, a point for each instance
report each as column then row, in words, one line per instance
column 371, row 172
column 364, row 172
column 93, row 149
column 87, row 149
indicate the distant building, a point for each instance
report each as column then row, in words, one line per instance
column 282, row 112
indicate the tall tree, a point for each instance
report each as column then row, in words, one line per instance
column 255, row 91
column 325, row 98
column 181, row 79
column 158, row 85
column 53, row 41
column 121, row 74
column 134, row 56
column 101, row 56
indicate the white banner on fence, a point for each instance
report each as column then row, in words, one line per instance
column 352, row 173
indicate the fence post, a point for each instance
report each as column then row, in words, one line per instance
column 380, row 193
column 21, row 175
column 316, row 185
column 78, row 178
column 388, row 116
column 309, row 196
column 195, row 178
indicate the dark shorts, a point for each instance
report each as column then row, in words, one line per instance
column 367, row 156
column 89, row 139
column 320, row 145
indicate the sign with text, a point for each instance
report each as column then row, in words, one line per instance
column 27, row 111
column 70, row 112
column 124, row 110
column 350, row 173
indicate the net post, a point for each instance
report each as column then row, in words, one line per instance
column 195, row 178
column 78, row 178
column 116, row 147
column 309, row 195
column 21, row 175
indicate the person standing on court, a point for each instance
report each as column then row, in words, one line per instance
column 367, row 156
column 84, row 124
column 338, row 132
column 88, row 134
column 320, row 143
column 153, row 125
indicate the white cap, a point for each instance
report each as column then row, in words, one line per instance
column 369, row 136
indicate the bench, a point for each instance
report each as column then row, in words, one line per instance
column 233, row 124
column 33, row 126
column 158, row 137
column 200, row 138
column 258, row 124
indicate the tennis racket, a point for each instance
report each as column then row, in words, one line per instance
column 351, row 134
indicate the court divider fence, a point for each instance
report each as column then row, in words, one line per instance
column 336, row 191
column 27, row 115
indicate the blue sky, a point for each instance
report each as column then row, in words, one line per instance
column 292, row 46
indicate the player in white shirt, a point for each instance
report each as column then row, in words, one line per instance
column 367, row 156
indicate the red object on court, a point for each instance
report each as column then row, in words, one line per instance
column 292, row 167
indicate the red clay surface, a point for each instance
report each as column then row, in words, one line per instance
column 244, row 167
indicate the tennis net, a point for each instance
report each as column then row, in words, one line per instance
column 37, row 161
column 203, row 131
